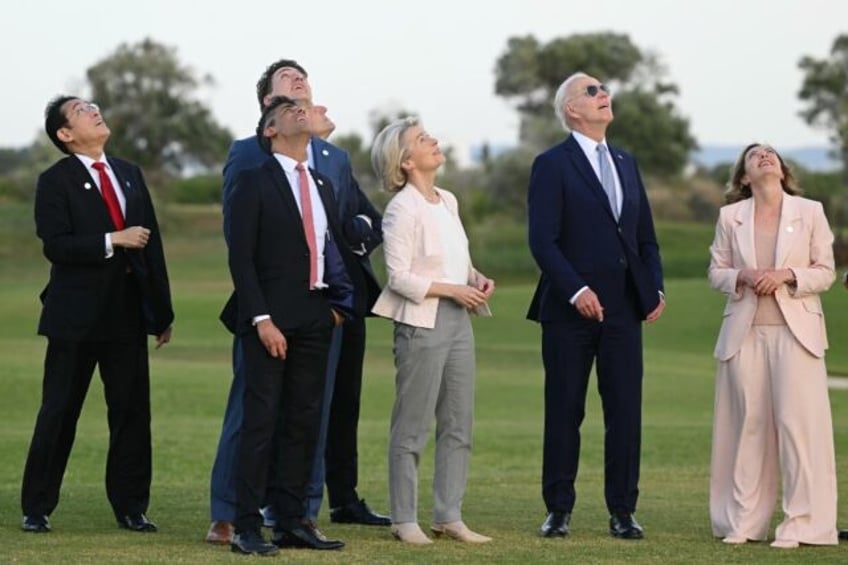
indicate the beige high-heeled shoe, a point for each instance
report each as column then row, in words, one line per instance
column 459, row 531
column 410, row 532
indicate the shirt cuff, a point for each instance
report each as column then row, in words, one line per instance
column 109, row 249
column 365, row 219
column 259, row 318
column 573, row 299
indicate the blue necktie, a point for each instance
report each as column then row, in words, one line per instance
column 607, row 178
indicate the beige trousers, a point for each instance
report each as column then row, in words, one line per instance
column 772, row 421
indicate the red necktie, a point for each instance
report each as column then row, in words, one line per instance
column 109, row 196
column 308, row 223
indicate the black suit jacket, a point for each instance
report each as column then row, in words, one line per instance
column 269, row 256
column 71, row 220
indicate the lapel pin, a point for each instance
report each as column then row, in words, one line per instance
column 87, row 186
column 320, row 182
column 127, row 184
column 324, row 152
column 790, row 229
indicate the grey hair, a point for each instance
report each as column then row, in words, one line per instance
column 387, row 153
column 562, row 95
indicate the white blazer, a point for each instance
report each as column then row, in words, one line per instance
column 804, row 244
column 415, row 259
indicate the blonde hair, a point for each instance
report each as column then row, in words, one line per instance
column 737, row 191
column 387, row 153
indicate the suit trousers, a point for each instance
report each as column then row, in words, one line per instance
column 569, row 349
column 772, row 427
column 435, row 377
column 222, row 489
column 342, row 460
column 281, row 421
column 68, row 368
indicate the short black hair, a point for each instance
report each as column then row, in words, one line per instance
column 266, row 119
column 263, row 85
column 55, row 119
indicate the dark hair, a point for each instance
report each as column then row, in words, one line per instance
column 267, row 119
column 263, row 85
column 55, row 119
column 737, row 191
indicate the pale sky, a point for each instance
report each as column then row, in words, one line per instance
column 735, row 61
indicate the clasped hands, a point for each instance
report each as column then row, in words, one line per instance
column 765, row 281
column 473, row 296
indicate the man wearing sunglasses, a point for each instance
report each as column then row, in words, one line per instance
column 592, row 235
column 108, row 289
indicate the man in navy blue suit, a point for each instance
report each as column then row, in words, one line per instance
column 592, row 235
column 361, row 226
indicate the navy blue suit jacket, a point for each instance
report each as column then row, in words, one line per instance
column 576, row 240
column 269, row 256
column 71, row 219
column 333, row 163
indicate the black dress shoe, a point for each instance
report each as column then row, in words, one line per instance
column 304, row 535
column 38, row 524
column 252, row 543
column 843, row 534
column 358, row 513
column 136, row 523
column 556, row 525
column 625, row 526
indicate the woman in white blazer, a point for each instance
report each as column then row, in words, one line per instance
column 431, row 289
column 772, row 256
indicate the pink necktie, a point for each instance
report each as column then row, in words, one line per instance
column 109, row 196
column 308, row 223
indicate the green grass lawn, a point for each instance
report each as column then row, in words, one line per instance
column 190, row 381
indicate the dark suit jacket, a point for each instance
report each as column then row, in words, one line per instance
column 576, row 239
column 269, row 256
column 71, row 220
column 351, row 204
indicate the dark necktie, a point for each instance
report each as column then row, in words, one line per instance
column 308, row 223
column 607, row 178
column 109, row 196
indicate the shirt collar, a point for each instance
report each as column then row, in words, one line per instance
column 88, row 161
column 287, row 163
column 587, row 144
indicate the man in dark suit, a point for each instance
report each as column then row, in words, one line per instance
column 291, row 289
column 592, row 235
column 362, row 230
column 108, row 289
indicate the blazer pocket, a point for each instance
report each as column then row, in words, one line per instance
column 813, row 306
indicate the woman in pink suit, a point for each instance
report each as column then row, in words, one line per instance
column 772, row 256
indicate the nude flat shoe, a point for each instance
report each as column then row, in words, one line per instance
column 410, row 532
column 458, row 531
column 734, row 540
column 784, row 544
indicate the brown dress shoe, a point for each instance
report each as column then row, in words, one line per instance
column 220, row 532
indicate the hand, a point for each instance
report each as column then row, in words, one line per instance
column 272, row 338
column 134, row 237
column 770, row 280
column 589, row 306
column 467, row 296
column 485, row 285
column 338, row 319
column 657, row 312
column 164, row 337
column 748, row 277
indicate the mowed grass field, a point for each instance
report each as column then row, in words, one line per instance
column 190, row 382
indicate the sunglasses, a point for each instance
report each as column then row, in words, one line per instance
column 594, row 89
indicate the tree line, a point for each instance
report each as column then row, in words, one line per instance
column 150, row 99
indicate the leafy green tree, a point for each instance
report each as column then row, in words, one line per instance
column 825, row 92
column 149, row 101
column 647, row 122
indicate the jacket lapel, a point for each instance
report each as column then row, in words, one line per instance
column 581, row 163
column 744, row 232
column 283, row 189
column 86, row 188
column 790, row 228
